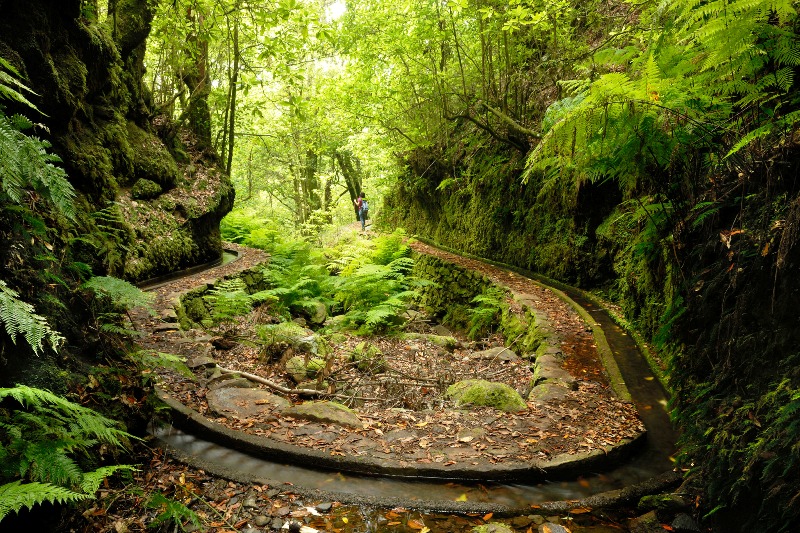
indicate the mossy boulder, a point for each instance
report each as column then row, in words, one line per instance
column 145, row 189
column 151, row 159
column 301, row 370
column 325, row 412
column 482, row 393
column 291, row 334
column 315, row 367
column 368, row 358
column 446, row 342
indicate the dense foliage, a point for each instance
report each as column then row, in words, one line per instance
column 644, row 150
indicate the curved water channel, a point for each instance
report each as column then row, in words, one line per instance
column 653, row 459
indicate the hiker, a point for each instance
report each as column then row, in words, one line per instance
column 357, row 203
column 363, row 210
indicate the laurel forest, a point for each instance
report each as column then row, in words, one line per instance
column 645, row 152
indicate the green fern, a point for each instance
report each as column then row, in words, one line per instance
column 486, row 315
column 374, row 297
column 19, row 318
column 26, row 165
column 16, row 495
column 172, row 512
column 120, row 292
column 92, row 480
column 228, row 300
column 10, row 86
column 41, row 440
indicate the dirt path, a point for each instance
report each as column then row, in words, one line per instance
column 589, row 418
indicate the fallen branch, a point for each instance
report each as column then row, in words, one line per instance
column 272, row 384
column 286, row 390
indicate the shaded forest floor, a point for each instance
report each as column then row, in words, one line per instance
column 404, row 420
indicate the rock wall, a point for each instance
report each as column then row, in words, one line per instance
column 451, row 297
column 87, row 77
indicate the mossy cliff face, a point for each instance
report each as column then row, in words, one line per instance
column 583, row 235
column 89, row 80
column 716, row 287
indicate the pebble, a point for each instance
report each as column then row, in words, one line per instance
column 521, row 522
column 684, row 523
column 250, row 503
column 324, row 507
column 261, row 520
column 550, row 527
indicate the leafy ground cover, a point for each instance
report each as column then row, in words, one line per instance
column 404, row 418
column 403, row 409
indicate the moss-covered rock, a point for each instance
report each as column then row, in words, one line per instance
column 447, row 342
column 296, row 369
column 325, row 412
column 301, row 370
column 314, row 367
column 368, row 358
column 145, row 189
column 482, row 393
column 151, row 161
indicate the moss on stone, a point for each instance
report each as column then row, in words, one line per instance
column 145, row 189
column 482, row 393
column 314, row 367
column 151, row 159
column 368, row 358
column 325, row 412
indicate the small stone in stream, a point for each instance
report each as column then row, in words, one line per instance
column 551, row 527
column 250, row 503
column 233, row 500
column 295, row 527
column 324, row 507
column 283, row 511
column 684, row 523
column 262, row 520
column 276, row 524
column 271, row 493
column 521, row 522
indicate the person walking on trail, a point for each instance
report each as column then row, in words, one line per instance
column 357, row 203
column 363, row 210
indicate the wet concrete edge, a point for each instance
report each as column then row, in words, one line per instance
column 564, row 466
column 613, row 499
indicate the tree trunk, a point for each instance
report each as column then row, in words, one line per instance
column 198, row 82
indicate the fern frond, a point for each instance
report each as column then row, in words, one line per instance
column 49, row 462
column 10, row 86
column 14, row 496
column 784, row 123
column 25, row 163
column 172, row 512
column 85, row 422
column 19, row 318
column 119, row 292
column 92, row 480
